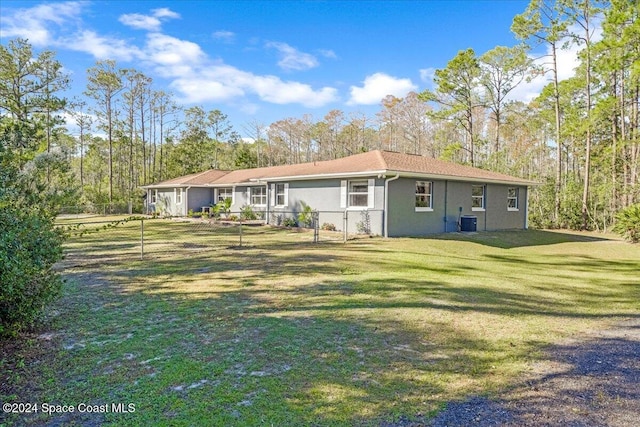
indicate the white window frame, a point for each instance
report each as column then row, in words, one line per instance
column 225, row 189
column 351, row 193
column 345, row 194
column 178, row 195
column 280, row 191
column 154, row 196
column 252, row 195
column 482, row 198
column 429, row 194
column 513, row 198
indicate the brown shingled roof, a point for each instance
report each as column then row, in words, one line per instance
column 372, row 162
column 398, row 162
column 197, row 179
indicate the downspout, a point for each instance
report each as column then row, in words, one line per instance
column 386, row 203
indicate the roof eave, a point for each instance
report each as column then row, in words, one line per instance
column 405, row 174
column 336, row 175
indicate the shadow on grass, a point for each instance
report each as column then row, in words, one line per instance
column 521, row 238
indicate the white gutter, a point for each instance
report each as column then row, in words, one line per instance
column 386, row 203
column 402, row 174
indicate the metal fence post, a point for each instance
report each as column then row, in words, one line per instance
column 345, row 219
column 141, row 239
column 240, row 226
column 316, row 226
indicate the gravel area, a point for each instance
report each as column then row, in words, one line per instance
column 591, row 381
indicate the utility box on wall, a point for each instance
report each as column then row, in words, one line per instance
column 468, row 223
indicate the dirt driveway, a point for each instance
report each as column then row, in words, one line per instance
column 589, row 381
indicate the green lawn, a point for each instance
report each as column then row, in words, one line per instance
column 286, row 332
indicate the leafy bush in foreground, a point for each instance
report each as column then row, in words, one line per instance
column 29, row 246
column 628, row 223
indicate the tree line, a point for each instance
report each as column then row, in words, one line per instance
column 579, row 138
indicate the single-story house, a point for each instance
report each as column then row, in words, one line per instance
column 394, row 194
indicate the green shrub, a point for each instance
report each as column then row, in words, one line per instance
column 290, row 222
column 29, row 247
column 247, row 213
column 223, row 207
column 628, row 223
column 305, row 218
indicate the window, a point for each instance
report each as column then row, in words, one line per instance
column 359, row 193
column 281, row 194
column 477, row 197
column 424, row 193
column 512, row 198
column 225, row 193
column 258, row 196
column 154, row 196
column 178, row 196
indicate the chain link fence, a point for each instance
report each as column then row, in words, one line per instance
column 104, row 209
column 147, row 236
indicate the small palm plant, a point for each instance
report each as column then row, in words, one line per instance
column 223, row 207
column 305, row 218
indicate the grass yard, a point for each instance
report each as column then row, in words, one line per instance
column 286, row 332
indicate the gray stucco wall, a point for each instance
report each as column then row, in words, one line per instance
column 405, row 221
column 166, row 202
column 199, row 197
column 448, row 197
column 325, row 197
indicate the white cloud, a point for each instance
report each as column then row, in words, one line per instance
column 198, row 89
column 33, row 23
column 224, row 36
column 102, row 47
column 293, row 59
column 221, row 82
column 377, row 86
column 140, row 22
column 151, row 22
column 169, row 51
column 164, row 12
column 276, row 91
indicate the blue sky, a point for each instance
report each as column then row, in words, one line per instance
column 264, row 61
